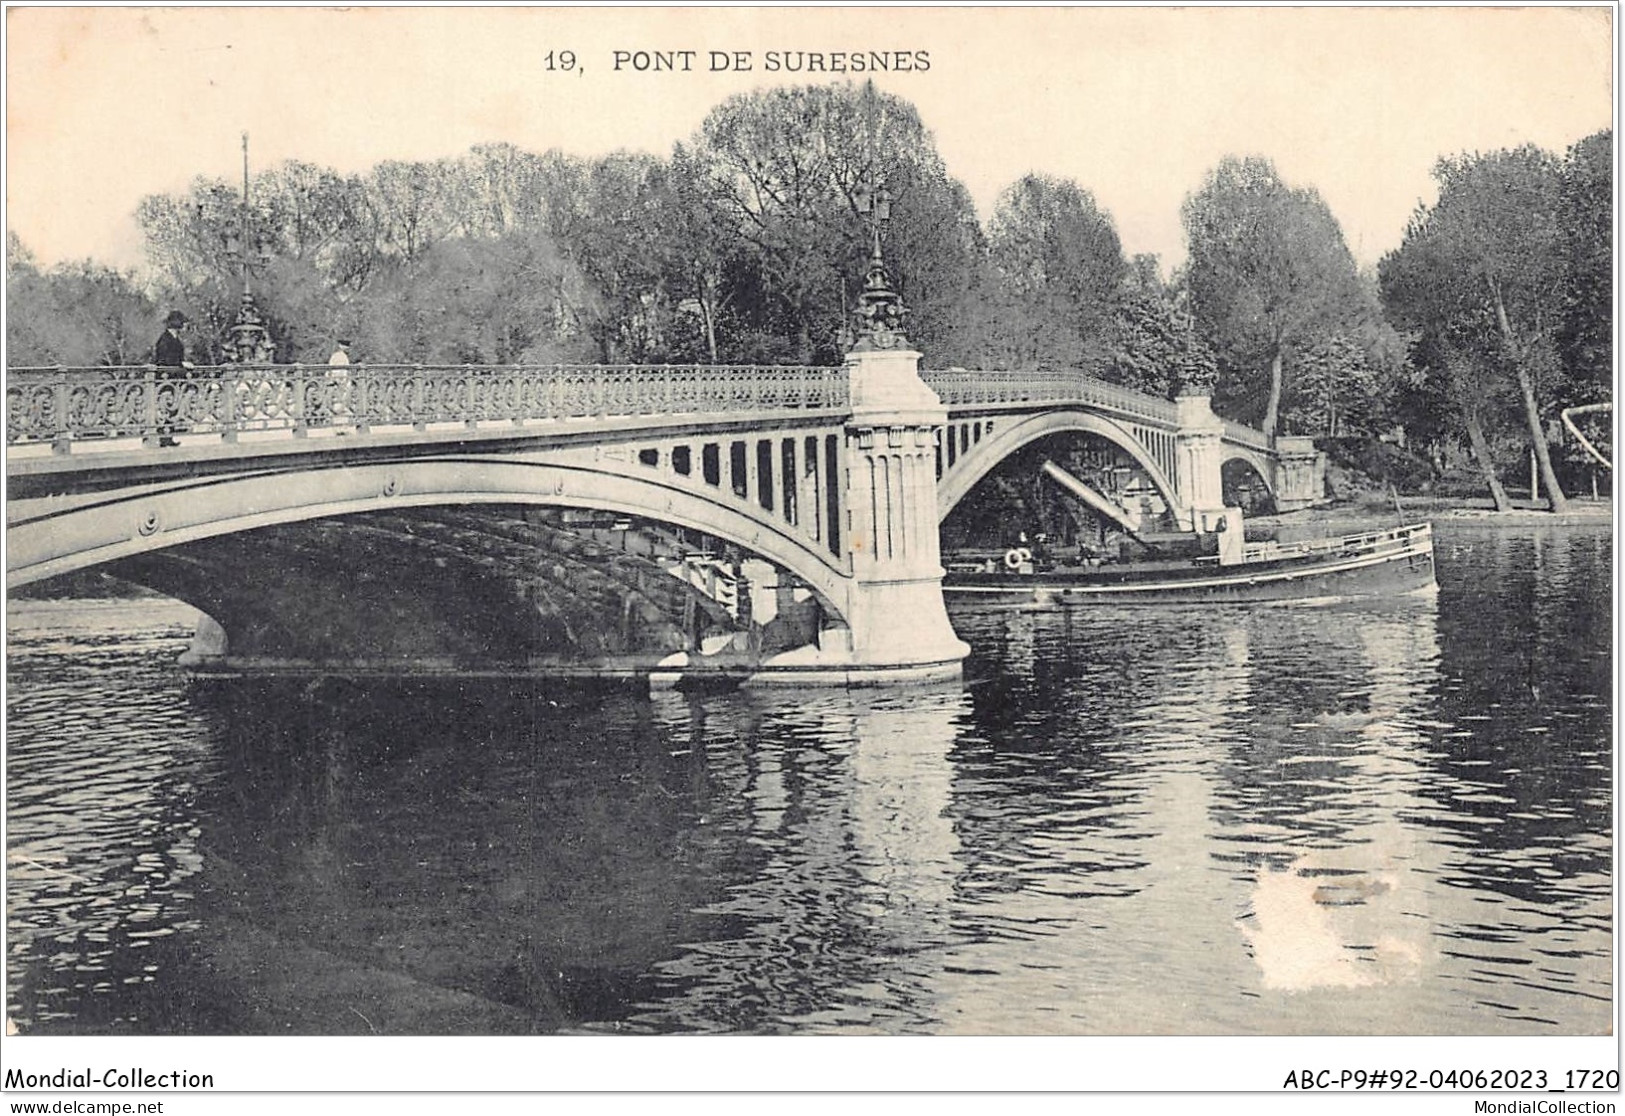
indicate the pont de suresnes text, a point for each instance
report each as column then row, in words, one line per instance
column 772, row 61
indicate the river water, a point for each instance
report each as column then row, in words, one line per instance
column 1386, row 818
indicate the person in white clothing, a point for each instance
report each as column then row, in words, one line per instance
column 338, row 381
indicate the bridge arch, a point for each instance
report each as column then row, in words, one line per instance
column 96, row 532
column 1258, row 462
column 1249, row 463
column 990, row 452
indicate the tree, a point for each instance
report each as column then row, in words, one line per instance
column 937, row 255
column 1476, row 387
column 1059, row 266
column 1157, row 348
column 696, row 270
column 187, row 236
column 1338, row 389
column 410, row 206
column 1585, row 340
column 1346, row 383
column 478, row 300
column 1586, row 216
column 622, row 246
column 311, row 214
column 199, row 243
column 76, row 314
column 786, row 169
column 498, row 188
column 28, row 307
column 780, row 177
column 1486, row 267
column 1268, row 272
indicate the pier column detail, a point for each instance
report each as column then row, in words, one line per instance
column 1300, row 474
column 1198, row 460
column 895, row 609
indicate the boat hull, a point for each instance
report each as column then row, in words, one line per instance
column 1393, row 564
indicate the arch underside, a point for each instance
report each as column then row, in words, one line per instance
column 989, row 453
column 1261, row 466
column 44, row 542
column 427, row 590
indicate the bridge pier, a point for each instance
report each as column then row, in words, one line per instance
column 1300, row 474
column 1198, row 462
column 897, row 625
column 895, row 610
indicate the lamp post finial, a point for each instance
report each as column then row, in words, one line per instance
column 880, row 308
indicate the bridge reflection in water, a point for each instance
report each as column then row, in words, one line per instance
column 1192, row 874
column 1277, row 823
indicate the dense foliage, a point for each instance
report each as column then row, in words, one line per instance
column 1500, row 287
column 1271, row 279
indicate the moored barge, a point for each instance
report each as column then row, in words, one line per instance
column 1375, row 563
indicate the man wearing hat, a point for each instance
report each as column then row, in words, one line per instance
column 169, row 353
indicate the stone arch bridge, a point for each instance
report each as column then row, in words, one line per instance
column 837, row 476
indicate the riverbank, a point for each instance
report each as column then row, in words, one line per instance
column 1346, row 518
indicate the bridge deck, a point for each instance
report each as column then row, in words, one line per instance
column 62, row 419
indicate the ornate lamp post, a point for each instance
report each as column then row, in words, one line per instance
column 880, row 308
column 248, row 341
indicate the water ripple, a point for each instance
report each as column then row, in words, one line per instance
column 1392, row 818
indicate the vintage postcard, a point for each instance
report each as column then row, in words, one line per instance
column 1080, row 534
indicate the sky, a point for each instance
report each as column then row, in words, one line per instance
column 107, row 105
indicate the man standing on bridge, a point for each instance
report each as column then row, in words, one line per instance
column 169, row 353
column 338, row 382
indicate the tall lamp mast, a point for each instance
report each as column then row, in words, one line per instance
column 880, row 308
column 248, row 341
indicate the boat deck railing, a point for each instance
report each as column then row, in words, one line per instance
column 1396, row 538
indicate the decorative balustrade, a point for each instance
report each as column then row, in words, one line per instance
column 64, row 405
column 958, row 387
column 1246, row 436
